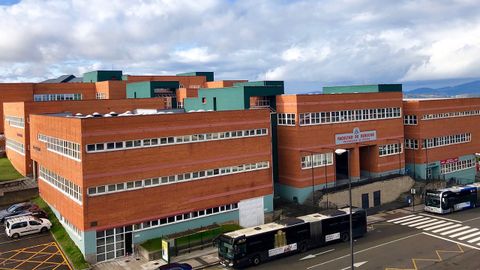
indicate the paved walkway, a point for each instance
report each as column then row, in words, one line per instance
column 203, row 258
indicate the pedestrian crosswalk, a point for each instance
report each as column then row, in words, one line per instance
column 440, row 226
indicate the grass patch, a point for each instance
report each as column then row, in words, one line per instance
column 204, row 236
column 8, row 171
column 153, row 244
column 63, row 239
column 191, row 240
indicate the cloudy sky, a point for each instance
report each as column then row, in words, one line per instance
column 309, row 43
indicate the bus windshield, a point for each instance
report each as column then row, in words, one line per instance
column 432, row 201
column 225, row 249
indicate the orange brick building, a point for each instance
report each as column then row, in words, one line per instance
column 369, row 125
column 167, row 172
column 17, row 128
column 441, row 138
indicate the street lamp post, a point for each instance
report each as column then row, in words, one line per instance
column 325, row 168
column 339, row 152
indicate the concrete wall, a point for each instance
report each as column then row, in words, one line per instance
column 390, row 191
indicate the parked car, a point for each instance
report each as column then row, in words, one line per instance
column 22, row 209
column 20, row 226
column 176, row 266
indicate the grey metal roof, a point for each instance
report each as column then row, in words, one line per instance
column 61, row 79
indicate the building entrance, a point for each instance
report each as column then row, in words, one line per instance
column 341, row 166
column 366, row 157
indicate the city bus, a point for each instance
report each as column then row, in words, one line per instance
column 254, row 245
column 448, row 200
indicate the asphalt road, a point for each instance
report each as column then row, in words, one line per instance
column 35, row 251
column 404, row 241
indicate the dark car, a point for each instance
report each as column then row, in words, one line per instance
column 21, row 209
column 176, row 266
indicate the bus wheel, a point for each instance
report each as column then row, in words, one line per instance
column 256, row 260
column 303, row 247
column 345, row 237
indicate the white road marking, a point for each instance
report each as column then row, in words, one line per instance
column 453, row 241
column 471, row 219
column 464, row 232
column 469, row 236
column 311, row 256
column 412, row 222
column 431, row 224
column 474, row 240
column 423, row 222
column 355, row 265
column 363, row 250
column 400, row 218
column 408, row 219
column 447, row 228
column 453, row 220
column 455, row 230
column 438, row 226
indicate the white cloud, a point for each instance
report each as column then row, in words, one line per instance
column 330, row 41
column 194, row 55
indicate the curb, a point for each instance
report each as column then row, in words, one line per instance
column 206, row 265
column 63, row 251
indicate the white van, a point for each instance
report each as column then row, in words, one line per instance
column 19, row 226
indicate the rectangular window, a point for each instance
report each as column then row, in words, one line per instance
column 65, row 186
column 15, row 121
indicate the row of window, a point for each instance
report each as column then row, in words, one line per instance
column 184, row 217
column 164, row 180
column 65, row 186
column 15, row 121
column 457, row 166
column 60, row 146
column 447, row 140
column 70, row 226
column 319, row 160
column 15, row 146
column 450, row 114
column 410, row 120
column 316, row 118
column 153, row 142
column 53, row 97
column 389, row 149
column 111, row 242
column 411, row 144
column 286, row 119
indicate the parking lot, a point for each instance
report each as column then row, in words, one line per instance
column 36, row 251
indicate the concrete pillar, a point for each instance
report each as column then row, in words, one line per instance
column 354, row 164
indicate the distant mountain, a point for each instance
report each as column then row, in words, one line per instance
column 470, row 89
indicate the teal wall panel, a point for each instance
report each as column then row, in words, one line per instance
column 290, row 193
column 268, row 203
column 418, row 171
column 102, row 75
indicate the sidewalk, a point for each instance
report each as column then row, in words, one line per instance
column 199, row 259
column 204, row 258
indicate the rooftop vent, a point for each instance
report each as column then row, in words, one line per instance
column 257, row 228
